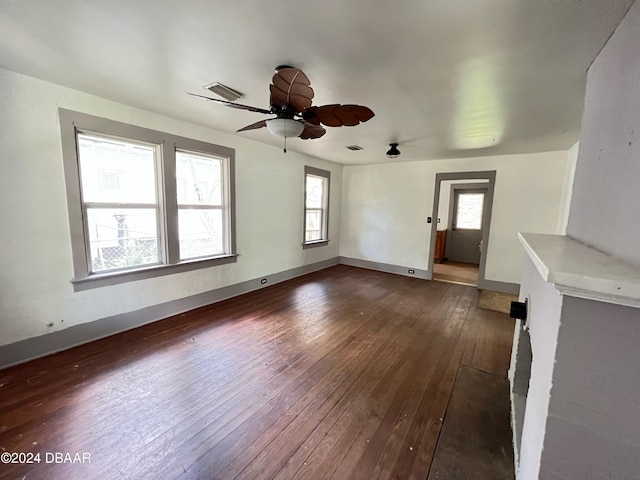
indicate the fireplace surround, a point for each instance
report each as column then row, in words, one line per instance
column 575, row 367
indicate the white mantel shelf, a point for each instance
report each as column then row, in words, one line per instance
column 578, row 270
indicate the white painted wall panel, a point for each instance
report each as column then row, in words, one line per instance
column 604, row 206
column 35, row 258
column 544, row 310
column 593, row 429
column 385, row 208
column 567, row 189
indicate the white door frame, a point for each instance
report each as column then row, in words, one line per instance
column 490, row 176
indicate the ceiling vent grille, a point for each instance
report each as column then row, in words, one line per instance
column 223, row 91
column 355, row 148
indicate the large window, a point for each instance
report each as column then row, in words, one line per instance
column 144, row 203
column 316, row 206
column 120, row 202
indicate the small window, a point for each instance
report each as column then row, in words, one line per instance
column 316, row 207
column 201, row 214
column 468, row 213
column 144, row 203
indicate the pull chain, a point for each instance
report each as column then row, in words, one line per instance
column 285, row 138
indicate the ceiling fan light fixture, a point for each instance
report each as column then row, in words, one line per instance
column 291, row 101
column 393, row 152
column 284, row 127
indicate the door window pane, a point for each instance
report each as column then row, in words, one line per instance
column 469, row 212
column 122, row 237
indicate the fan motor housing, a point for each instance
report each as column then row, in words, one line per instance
column 284, row 111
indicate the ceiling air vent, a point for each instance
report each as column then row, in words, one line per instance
column 223, row 91
column 355, row 148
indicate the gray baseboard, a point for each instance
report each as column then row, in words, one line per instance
column 385, row 267
column 43, row 345
column 496, row 286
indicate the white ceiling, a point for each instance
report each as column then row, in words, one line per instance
column 444, row 77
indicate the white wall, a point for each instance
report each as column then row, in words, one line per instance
column 604, row 205
column 593, row 428
column 384, row 208
column 35, row 253
column 567, row 190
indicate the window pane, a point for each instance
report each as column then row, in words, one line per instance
column 315, row 186
column 120, row 238
column 198, row 179
column 200, row 233
column 313, row 226
column 469, row 213
column 116, row 171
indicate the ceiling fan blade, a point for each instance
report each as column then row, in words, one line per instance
column 312, row 131
column 232, row 105
column 254, row 126
column 290, row 86
column 336, row 115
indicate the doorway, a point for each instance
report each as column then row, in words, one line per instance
column 465, row 229
column 460, row 230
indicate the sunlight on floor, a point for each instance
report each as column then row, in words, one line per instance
column 464, row 273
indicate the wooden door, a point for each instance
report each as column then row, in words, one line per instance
column 465, row 235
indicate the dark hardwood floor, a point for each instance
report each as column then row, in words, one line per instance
column 344, row 373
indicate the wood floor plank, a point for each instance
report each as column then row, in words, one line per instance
column 476, row 439
column 417, row 449
column 343, row 373
column 492, row 350
column 277, row 450
column 266, row 456
column 298, row 460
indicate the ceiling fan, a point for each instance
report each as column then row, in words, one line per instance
column 290, row 102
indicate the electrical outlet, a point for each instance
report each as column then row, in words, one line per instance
column 263, row 281
column 412, row 271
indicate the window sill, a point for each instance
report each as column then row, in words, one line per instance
column 98, row 280
column 317, row 243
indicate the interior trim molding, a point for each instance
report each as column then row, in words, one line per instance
column 385, row 267
column 36, row 347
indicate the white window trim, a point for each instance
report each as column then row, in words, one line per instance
column 325, row 240
column 72, row 122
